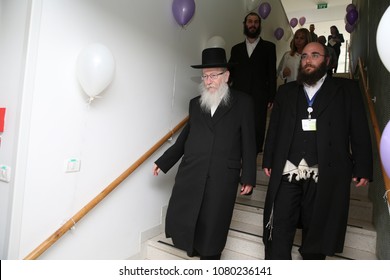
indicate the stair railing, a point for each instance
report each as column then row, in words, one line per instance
column 375, row 125
column 95, row 201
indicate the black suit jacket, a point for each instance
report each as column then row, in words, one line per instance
column 255, row 75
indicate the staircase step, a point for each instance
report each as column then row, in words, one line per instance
column 360, row 234
column 161, row 248
column 244, row 241
column 261, row 178
column 248, row 214
column 360, row 208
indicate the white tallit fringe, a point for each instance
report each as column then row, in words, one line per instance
column 270, row 223
column 302, row 171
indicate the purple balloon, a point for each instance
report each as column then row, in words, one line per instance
column 183, row 10
column 349, row 28
column 385, row 149
column 279, row 32
column 264, row 10
column 293, row 22
column 352, row 17
column 302, row 20
column 350, row 7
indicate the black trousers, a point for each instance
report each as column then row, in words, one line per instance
column 292, row 209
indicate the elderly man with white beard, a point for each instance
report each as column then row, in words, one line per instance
column 218, row 151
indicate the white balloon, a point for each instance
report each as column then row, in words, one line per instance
column 216, row 42
column 383, row 39
column 252, row 4
column 95, row 69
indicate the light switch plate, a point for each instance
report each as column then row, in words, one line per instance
column 5, row 173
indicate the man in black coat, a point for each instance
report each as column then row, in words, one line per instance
column 219, row 152
column 318, row 140
column 254, row 72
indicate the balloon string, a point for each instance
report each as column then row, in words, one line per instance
column 76, row 178
column 173, row 95
column 174, row 86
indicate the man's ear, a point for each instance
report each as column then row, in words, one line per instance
column 327, row 60
column 227, row 73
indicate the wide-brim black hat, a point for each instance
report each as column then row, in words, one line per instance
column 213, row 58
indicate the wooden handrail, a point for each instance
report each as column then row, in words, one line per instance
column 81, row 213
column 374, row 121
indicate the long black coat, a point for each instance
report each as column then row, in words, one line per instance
column 344, row 151
column 219, row 153
column 256, row 76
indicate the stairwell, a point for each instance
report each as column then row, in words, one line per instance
column 245, row 236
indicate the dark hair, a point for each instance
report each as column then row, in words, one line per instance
column 252, row 14
column 335, row 27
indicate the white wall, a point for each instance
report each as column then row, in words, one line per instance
column 13, row 20
column 148, row 96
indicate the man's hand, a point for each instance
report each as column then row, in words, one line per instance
column 267, row 171
column 156, row 170
column 360, row 182
column 246, row 190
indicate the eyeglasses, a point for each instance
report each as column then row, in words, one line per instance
column 211, row 76
column 313, row 56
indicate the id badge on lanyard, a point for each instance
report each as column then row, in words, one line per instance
column 309, row 124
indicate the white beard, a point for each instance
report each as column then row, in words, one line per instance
column 209, row 99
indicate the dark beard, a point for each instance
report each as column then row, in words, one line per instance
column 313, row 77
column 251, row 34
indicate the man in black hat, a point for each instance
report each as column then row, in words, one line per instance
column 219, row 152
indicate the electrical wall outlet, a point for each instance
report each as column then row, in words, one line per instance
column 5, row 173
column 72, row 165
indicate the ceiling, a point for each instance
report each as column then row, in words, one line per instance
column 334, row 14
column 308, row 8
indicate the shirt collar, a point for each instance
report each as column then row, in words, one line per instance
column 311, row 90
column 254, row 43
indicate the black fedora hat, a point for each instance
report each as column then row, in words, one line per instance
column 213, row 58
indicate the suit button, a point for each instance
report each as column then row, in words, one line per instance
column 329, row 164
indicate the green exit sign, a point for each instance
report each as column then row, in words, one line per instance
column 322, row 6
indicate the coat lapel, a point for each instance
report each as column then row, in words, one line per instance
column 257, row 50
column 293, row 99
column 326, row 93
column 208, row 119
column 222, row 110
column 244, row 51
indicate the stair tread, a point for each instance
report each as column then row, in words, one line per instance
column 248, row 202
column 165, row 245
column 256, row 207
column 245, row 234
